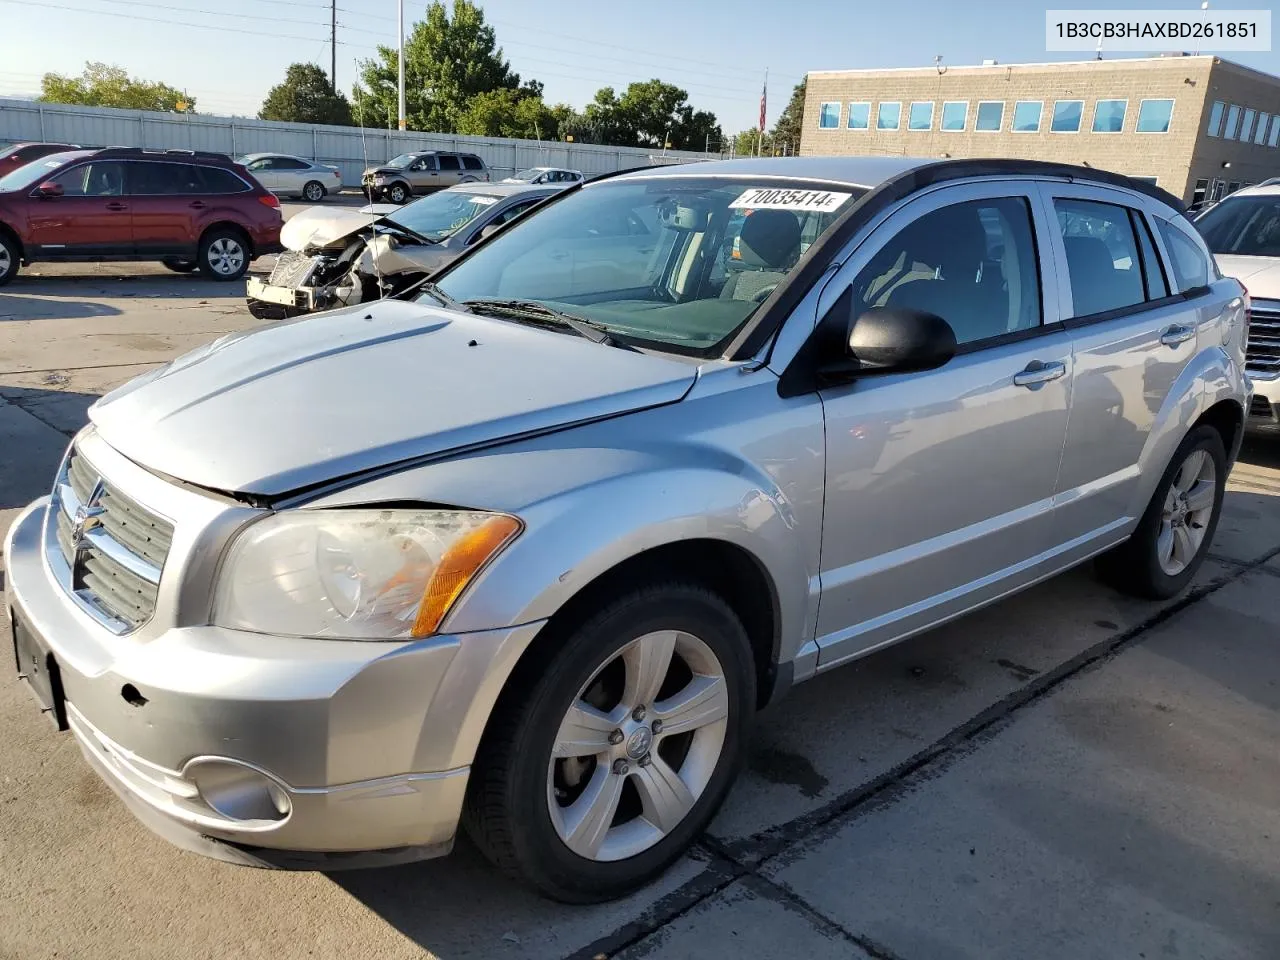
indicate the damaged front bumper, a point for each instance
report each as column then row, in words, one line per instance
column 291, row 288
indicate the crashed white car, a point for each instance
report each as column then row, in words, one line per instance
column 546, row 175
column 335, row 257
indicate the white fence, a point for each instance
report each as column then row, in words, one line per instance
column 347, row 148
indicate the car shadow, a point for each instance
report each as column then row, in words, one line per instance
column 1261, row 451
column 44, row 308
column 35, row 427
column 174, row 286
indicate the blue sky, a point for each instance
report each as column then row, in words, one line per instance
column 716, row 49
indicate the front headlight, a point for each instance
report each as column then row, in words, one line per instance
column 355, row 574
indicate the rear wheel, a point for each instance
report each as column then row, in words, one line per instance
column 398, row 193
column 602, row 764
column 1174, row 534
column 180, row 266
column 224, row 254
column 9, row 258
column 313, row 191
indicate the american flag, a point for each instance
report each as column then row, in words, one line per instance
column 764, row 93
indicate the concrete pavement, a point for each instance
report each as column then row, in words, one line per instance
column 1109, row 763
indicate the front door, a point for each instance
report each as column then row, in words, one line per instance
column 423, row 176
column 939, row 485
column 1133, row 334
column 90, row 218
column 263, row 170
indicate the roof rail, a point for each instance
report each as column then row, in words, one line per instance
column 155, row 152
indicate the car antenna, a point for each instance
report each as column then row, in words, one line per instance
column 373, row 217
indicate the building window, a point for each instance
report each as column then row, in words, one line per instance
column 1108, row 115
column 1201, row 189
column 1219, row 190
column 1154, row 116
column 920, row 116
column 1261, row 136
column 1233, row 121
column 1274, row 139
column 1246, row 127
column 1026, row 116
column 990, row 116
column 1066, row 116
column 829, row 116
column 889, row 116
column 860, row 115
column 1232, row 187
column 955, row 114
column 1215, row 118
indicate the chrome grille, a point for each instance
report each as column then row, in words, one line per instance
column 106, row 550
column 1263, row 353
column 292, row 269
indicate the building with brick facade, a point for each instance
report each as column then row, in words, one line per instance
column 1198, row 126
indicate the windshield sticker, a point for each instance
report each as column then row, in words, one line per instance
column 483, row 201
column 772, row 198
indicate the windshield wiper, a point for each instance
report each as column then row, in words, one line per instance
column 435, row 293
column 530, row 311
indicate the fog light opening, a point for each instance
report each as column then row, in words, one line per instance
column 132, row 696
column 238, row 792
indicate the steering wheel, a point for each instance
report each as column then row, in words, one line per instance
column 762, row 294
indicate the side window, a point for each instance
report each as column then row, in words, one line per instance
column 159, row 179
column 1102, row 256
column 973, row 264
column 1190, row 265
column 102, row 179
column 512, row 212
column 288, row 163
column 423, row 163
column 472, row 163
column 449, row 162
column 1152, row 270
column 217, row 180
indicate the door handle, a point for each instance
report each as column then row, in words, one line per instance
column 117, row 205
column 198, row 204
column 1037, row 372
column 1178, row 333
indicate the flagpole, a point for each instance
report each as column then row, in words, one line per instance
column 764, row 92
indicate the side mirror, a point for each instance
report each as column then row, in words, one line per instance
column 49, row 189
column 895, row 340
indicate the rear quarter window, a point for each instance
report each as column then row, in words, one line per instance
column 472, row 163
column 1191, row 268
column 218, row 180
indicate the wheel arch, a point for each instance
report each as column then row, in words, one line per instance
column 12, row 235
column 228, row 225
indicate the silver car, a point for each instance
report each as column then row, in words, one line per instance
column 290, row 176
column 528, row 554
column 539, row 175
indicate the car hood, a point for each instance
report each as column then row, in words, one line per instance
column 320, row 226
column 1261, row 275
column 371, row 171
column 308, row 400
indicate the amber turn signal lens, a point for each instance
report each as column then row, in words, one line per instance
column 458, row 567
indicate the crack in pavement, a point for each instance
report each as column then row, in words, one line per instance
column 732, row 860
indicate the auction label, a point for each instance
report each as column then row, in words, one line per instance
column 777, row 198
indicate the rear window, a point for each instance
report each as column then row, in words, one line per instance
column 472, row 163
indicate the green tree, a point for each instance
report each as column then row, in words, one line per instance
column 449, row 57
column 511, row 113
column 305, row 96
column 786, row 132
column 647, row 114
column 104, row 85
column 744, row 144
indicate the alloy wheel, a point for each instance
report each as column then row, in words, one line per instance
column 226, row 256
column 313, row 192
column 6, row 260
column 1188, row 507
column 638, row 746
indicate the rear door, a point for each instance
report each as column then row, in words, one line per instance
column 1132, row 331
column 291, row 175
column 91, row 218
column 167, row 199
column 450, row 169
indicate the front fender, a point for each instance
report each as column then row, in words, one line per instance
column 1211, row 376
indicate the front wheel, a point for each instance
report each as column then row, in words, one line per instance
column 313, row 191
column 603, row 763
column 224, row 254
column 398, row 193
column 9, row 258
column 1174, row 534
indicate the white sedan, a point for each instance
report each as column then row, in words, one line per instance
column 293, row 176
column 541, row 175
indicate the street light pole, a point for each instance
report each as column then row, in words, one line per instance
column 401, row 27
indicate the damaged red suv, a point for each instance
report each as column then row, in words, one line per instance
column 188, row 210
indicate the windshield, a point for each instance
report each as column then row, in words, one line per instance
column 29, row 173
column 678, row 264
column 530, row 175
column 442, row 214
column 401, row 161
column 1244, row 226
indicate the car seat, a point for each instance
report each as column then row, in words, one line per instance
column 768, row 248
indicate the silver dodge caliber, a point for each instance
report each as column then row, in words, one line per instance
column 528, row 554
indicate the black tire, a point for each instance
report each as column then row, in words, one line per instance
column 398, row 193
column 181, row 266
column 10, row 258
column 507, row 811
column 313, row 191
column 1134, row 567
column 218, row 260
